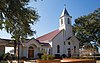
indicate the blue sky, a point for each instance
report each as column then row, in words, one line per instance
column 50, row 10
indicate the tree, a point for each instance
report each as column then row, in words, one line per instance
column 87, row 28
column 16, row 18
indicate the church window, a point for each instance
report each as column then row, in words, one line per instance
column 61, row 21
column 64, row 43
column 74, row 49
column 68, row 21
column 58, row 49
column 68, row 43
column 69, row 52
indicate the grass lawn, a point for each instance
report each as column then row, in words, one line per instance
column 3, row 62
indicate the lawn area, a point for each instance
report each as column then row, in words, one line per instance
column 3, row 62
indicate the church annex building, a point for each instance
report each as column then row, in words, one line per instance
column 60, row 41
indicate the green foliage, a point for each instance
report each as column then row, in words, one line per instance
column 16, row 18
column 87, row 28
column 44, row 57
column 47, row 57
column 50, row 57
column 6, row 56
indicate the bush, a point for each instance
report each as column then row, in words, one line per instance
column 39, row 55
column 50, row 57
column 63, row 55
column 57, row 56
column 47, row 57
column 13, row 57
column 1, row 57
column 44, row 57
column 7, row 56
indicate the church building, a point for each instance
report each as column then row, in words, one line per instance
column 62, row 40
column 58, row 42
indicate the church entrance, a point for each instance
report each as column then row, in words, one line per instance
column 69, row 52
column 30, row 52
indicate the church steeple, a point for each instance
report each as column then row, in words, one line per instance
column 65, row 19
column 65, row 22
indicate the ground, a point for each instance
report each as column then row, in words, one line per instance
column 98, row 61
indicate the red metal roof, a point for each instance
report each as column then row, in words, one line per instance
column 49, row 36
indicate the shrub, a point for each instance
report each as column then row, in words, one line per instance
column 44, row 57
column 14, row 57
column 7, row 56
column 63, row 55
column 50, row 57
column 47, row 57
column 57, row 56
column 39, row 55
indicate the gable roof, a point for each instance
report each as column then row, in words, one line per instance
column 49, row 36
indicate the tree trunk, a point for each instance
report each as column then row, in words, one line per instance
column 15, row 45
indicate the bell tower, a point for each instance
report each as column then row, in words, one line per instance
column 65, row 23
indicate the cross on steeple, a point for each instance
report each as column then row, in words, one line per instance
column 65, row 5
column 64, row 12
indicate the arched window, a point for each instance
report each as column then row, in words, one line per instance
column 68, row 21
column 69, row 52
column 58, row 49
column 74, row 49
column 68, row 43
column 64, row 43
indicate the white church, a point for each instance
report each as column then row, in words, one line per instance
column 60, row 41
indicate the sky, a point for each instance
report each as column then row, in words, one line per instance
column 50, row 11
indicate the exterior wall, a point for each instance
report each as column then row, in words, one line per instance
column 58, row 40
column 35, row 52
column 44, row 50
column 75, row 42
column 67, row 46
column 25, row 52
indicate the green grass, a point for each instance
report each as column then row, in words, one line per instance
column 3, row 62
